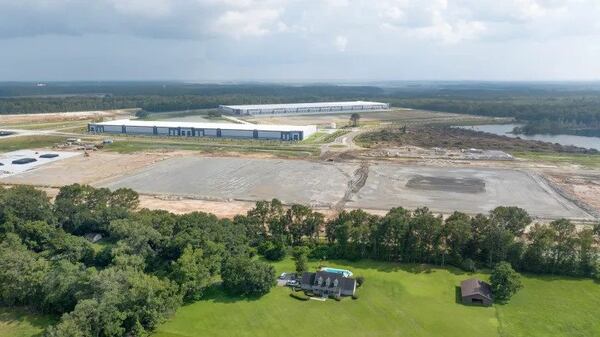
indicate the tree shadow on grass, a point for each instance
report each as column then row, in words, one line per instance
column 216, row 293
column 20, row 315
column 389, row 267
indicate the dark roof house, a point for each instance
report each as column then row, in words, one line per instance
column 474, row 291
column 327, row 283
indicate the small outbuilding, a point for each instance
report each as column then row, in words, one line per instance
column 474, row 291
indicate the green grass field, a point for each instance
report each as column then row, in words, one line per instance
column 210, row 145
column 19, row 323
column 28, row 142
column 395, row 300
column 398, row 300
column 586, row 160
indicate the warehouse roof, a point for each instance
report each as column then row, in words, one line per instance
column 300, row 105
column 226, row 126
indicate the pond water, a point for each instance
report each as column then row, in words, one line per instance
column 506, row 129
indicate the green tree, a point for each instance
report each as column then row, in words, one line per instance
column 242, row 276
column 389, row 235
column 354, row 118
column 514, row 219
column 300, row 256
column 588, row 252
column 565, row 247
column 538, row 254
column 192, row 272
column 22, row 273
column 505, row 282
column 456, row 234
column 25, row 203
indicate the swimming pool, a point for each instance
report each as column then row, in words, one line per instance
column 344, row 272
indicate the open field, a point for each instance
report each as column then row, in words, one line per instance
column 397, row 300
column 60, row 116
column 585, row 160
column 197, row 116
column 472, row 190
column 131, row 144
column 29, row 142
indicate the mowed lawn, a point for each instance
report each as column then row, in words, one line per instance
column 17, row 322
column 398, row 300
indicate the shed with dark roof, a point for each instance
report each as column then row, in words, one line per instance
column 474, row 291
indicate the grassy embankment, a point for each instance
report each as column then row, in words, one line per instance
column 586, row 160
column 395, row 300
column 323, row 137
column 28, row 142
column 212, row 145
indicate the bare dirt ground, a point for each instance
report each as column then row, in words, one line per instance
column 86, row 170
column 60, row 116
column 407, row 116
column 177, row 205
column 351, row 184
column 582, row 186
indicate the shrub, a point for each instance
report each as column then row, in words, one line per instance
column 360, row 280
column 299, row 296
column 272, row 251
column 355, row 296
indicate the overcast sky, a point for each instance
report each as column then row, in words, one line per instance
column 233, row 40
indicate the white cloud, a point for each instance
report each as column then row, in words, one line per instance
column 145, row 8
column 317, row 33
column 254, row 22
column 340, row 43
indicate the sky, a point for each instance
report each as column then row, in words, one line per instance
column 299, row 40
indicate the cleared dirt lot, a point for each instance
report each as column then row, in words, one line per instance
column 470, row 190
column 84, row 170
column 475, row 190
column 312, row 183
column 407, row 116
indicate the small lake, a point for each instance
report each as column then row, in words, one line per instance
column 506, row 129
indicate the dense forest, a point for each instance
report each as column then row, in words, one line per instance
column 547, row 108
column 150, row 262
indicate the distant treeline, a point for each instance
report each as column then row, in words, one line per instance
column 564, row 105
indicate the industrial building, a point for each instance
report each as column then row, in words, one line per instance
column 188, row 129
column 304, row 108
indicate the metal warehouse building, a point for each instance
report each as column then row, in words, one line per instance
column 186, row 129
column 304, row 108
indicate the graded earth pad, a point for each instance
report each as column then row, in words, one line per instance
column 463, row 189
column 328, row 184
column 291, row 181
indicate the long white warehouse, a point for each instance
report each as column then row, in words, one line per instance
column 304, row 108
column 187, row 129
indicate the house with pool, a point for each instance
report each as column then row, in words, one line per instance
column 329, row 282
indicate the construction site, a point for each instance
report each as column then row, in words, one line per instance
column 329, row 171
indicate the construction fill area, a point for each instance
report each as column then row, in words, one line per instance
column 373, row 186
